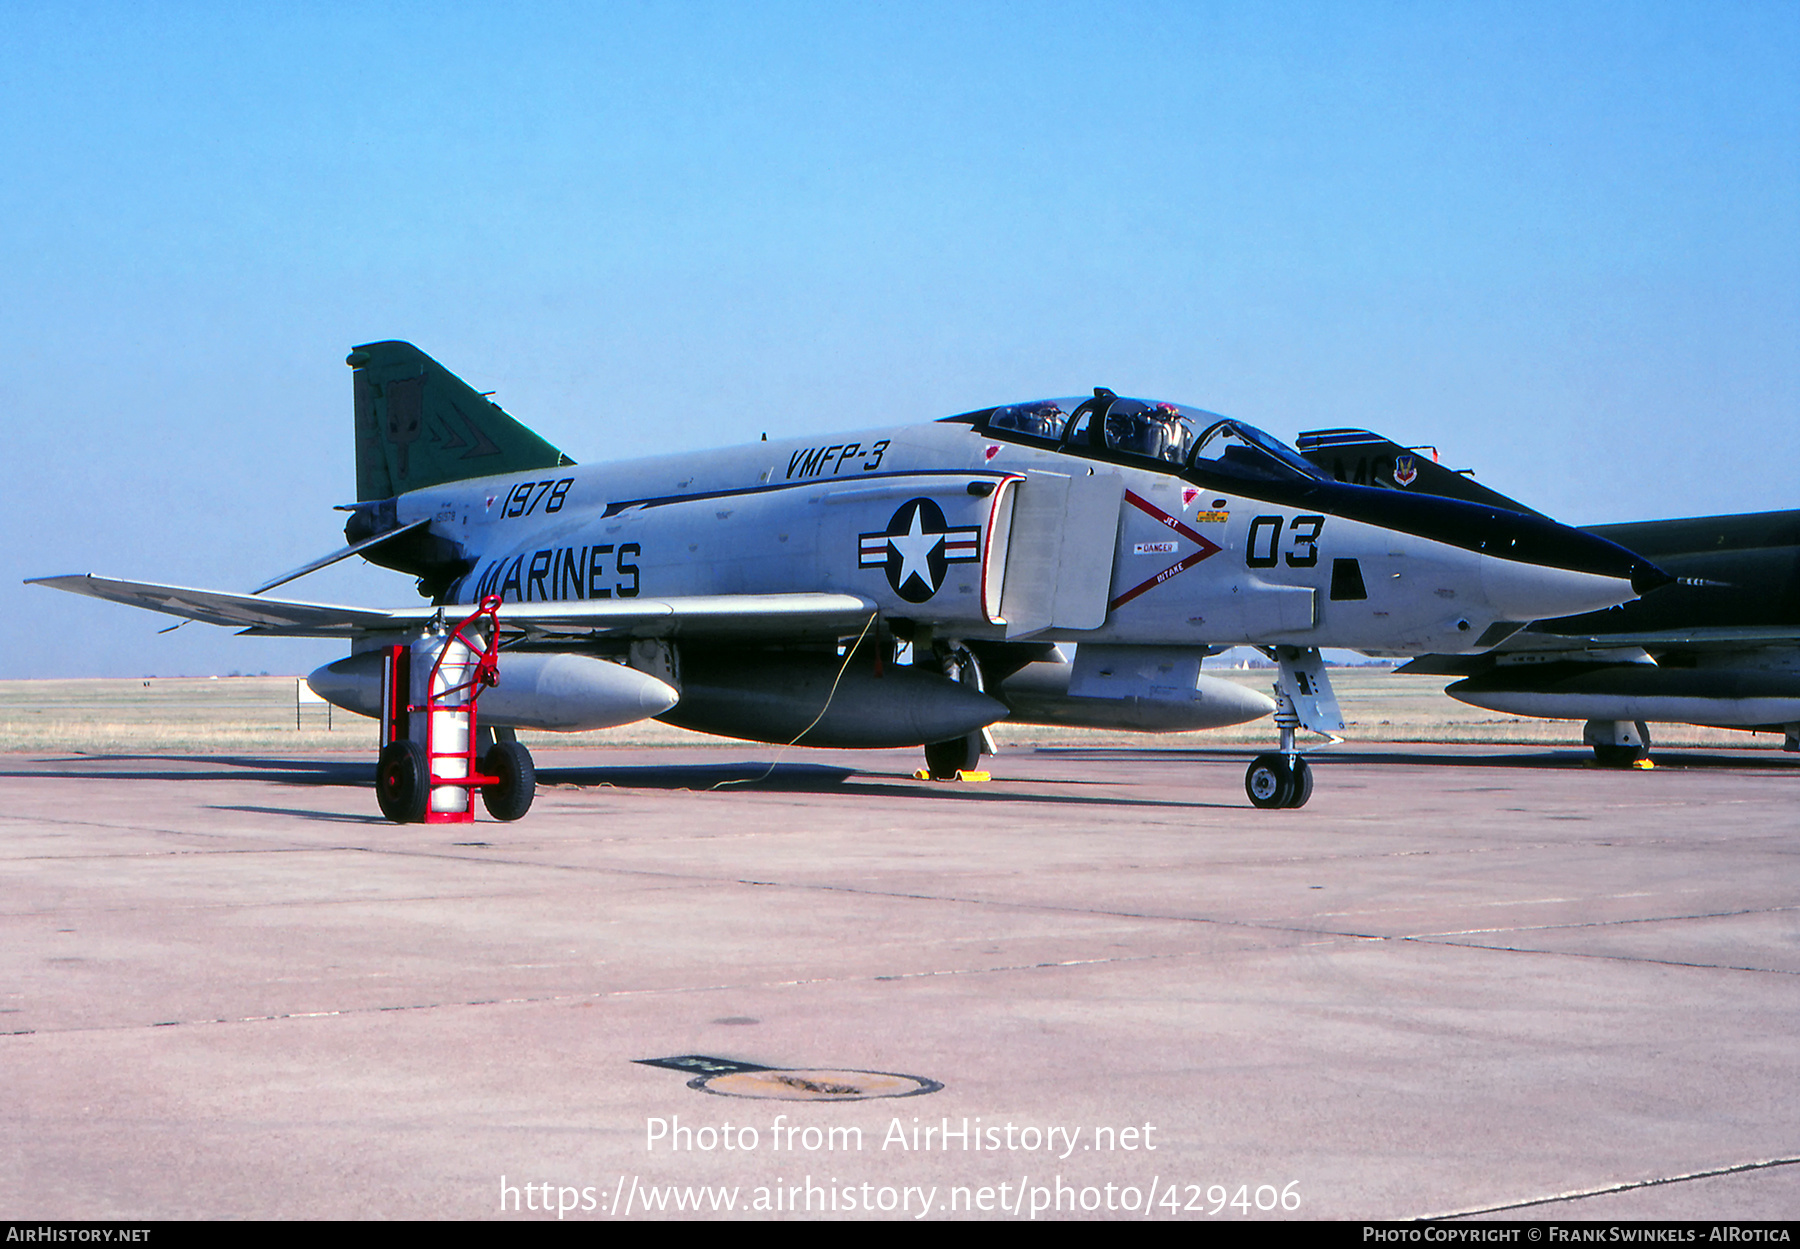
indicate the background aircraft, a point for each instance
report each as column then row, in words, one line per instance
column 769, row 591
column 1721, row 647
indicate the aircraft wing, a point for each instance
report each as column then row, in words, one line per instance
column 713, row 615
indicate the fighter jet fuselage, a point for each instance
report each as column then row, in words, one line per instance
column 976, row 533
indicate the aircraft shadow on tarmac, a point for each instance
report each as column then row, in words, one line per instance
column 821, row 779
column 812, row 778
column 801, row 778
column 328, row 817
column 1581, row 759
column 199, row 768
column 795, row 777
column 1578, row 758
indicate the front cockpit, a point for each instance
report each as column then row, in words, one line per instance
column 1133, row 431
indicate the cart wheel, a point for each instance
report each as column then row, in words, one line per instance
column 511, row 798
column 402, row 787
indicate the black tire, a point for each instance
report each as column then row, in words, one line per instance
column 1303, row 779
column 960, row 754
column 402, row 782
column 1269, row 781
column 511, row 798
column 1617, row 756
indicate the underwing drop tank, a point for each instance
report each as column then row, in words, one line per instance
column 559, row 692
column 1640, row 691
column 1145, row 689
column 817, row 700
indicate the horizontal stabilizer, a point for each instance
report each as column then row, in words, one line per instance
column 356, row 548
column 711, row 615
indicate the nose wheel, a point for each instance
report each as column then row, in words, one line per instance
column 1303, row 697
column 1278, row 781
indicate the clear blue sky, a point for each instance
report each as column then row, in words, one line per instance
column 1559, row 241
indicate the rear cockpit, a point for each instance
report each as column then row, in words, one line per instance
column 1146, row 434
column 1233, row 449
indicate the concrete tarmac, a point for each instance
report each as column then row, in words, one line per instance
column 1494, row 982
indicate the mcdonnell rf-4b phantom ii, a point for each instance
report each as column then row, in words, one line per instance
column 770, row 591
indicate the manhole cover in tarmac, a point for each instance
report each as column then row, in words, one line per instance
column 733, row 1077
column 814, row 1085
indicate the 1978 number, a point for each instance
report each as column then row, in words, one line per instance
column 526, row 496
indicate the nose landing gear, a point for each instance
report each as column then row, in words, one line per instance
column 1303, row 697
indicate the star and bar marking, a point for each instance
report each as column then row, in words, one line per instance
column 917, row 547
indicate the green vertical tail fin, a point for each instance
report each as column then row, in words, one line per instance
column 419, row 425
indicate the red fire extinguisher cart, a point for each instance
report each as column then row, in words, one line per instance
column 428, row 770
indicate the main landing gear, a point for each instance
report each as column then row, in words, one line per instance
column 949, row 760
column 960, row 754
column 1618, row 743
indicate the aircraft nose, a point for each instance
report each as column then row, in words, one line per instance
column 1551, row 544
column 1647, row 577
column 1544, row 568
column 1580, row 551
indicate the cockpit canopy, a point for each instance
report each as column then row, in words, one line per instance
column 1137, row 429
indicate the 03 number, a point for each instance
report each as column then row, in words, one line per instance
column 1265, row 537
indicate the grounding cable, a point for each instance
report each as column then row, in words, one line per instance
column 849, row 654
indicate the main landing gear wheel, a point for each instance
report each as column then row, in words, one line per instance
column 511, row 798
column 1275, row 781
column 960, row 754
column 1619, row 756
column 402, row 785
